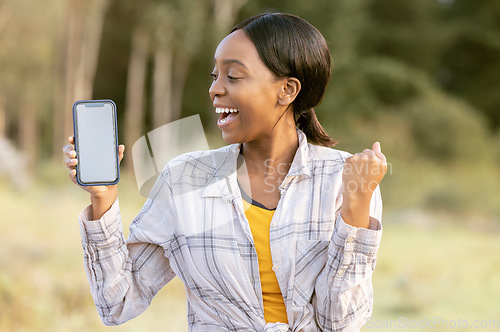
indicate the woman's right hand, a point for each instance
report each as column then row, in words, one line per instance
column 102, row 197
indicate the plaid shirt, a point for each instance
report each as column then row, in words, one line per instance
column 193, row 226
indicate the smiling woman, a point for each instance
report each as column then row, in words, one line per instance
column 269, row 233
column 242, row 82
column 276, row 54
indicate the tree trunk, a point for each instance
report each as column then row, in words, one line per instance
column 172, row 64
column 179, row 77
column 89, row 49
column 28, row 133
column 75, row 75
column 224, row 13
column 67, row 38
column 59, row 109
column 6, row 14
column 3, row 117
column 162, row 79
column 73, row 42
column 137, row 68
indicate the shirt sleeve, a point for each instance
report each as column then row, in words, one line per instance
column 343, row 297
column 124, row 275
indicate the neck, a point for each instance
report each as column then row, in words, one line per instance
column 272, row 154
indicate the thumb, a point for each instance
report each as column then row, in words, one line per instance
column 378, row 151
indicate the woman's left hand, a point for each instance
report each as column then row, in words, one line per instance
column 361, row 175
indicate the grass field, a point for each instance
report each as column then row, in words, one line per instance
column 444, row 274
column 437, row 271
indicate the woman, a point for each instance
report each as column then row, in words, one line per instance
column 268, row 233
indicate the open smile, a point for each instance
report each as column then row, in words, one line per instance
column 227, row 116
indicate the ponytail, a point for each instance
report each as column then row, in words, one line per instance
column 309, row 124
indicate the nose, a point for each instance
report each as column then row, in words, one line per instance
column 216, row 89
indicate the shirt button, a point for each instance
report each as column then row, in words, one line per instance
column 340, row 272
column 273, row 224
column 350, row 239
column 275, row 268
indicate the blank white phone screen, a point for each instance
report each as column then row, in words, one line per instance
column 96, row 142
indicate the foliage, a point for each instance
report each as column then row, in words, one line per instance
column 420, row 76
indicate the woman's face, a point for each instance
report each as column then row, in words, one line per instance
column 243, row 84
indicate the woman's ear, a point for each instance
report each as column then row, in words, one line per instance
column 289, row 91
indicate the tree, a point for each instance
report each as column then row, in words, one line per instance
column 76, row 63
column 170, row 45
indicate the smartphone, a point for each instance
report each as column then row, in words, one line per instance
column 96, row 142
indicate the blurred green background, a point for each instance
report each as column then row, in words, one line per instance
column 422, row 77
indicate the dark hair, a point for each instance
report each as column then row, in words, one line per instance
column 292, row 47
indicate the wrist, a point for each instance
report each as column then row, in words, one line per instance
column 355, row 210
column 102, row 202
column 356, row 198
column 103, row 195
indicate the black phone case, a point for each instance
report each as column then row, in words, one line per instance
column 76, row 143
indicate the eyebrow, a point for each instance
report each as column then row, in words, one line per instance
column 230, row 61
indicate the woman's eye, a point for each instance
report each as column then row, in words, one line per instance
column 229, row 77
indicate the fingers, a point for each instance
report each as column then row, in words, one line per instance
column 365, row 155
column 72, row 176
column 71, row 162
column 368, row 154
column 69, row 151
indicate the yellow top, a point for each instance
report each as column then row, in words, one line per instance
column 259, row 219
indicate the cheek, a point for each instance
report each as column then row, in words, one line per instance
column 263, row 97
column 257, row 100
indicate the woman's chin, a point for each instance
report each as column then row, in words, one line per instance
column 229, row 139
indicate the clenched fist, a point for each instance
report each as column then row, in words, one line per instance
column 361, row 175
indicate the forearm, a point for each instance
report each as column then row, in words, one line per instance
column 355, row 210
column 102, row 202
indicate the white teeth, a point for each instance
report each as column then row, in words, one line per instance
column 225, row 110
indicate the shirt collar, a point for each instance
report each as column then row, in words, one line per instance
column 300, row 163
